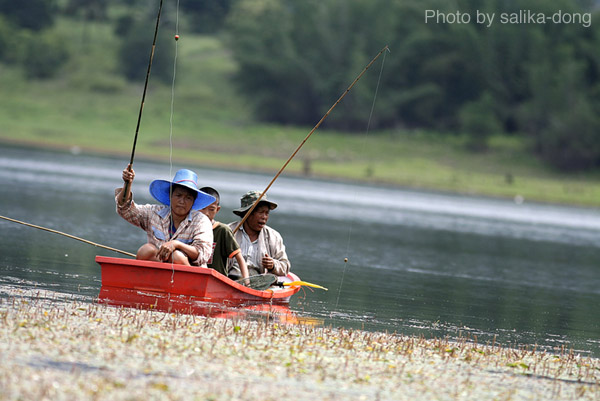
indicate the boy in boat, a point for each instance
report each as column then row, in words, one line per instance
column 225, row 245
column 177, row 232
column 262, row 246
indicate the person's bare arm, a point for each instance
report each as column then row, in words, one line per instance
column 128, row 176
column 167, row 249
column 242, row 264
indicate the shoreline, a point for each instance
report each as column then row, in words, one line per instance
column 54, row 347
column 217, row 164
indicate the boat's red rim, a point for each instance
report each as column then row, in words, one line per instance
column 267, row 294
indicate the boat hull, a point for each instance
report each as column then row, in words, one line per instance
column 140, row 283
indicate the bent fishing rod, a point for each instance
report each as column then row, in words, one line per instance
column 307, row 137
column 68, row 236
column 137, row 128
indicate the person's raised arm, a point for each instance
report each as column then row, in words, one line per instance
column 128, row 176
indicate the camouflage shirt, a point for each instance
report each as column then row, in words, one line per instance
column 226, row 247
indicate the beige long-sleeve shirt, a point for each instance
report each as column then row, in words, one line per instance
column 269, row 242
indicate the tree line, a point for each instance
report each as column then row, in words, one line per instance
column 534, row 77
column 539, row 80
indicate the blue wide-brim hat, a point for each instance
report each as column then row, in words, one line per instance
column 161, row 189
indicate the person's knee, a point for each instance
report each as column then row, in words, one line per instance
column 180, row 258
column 147, row 252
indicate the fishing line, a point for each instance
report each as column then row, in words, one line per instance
column 257, row 201
column 363, row 147
column 171, row 129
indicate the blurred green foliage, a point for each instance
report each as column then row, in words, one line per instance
column 136, row 45
column 44, row 55
column 206, row 16
column 540, row 81
column 297, row 57
column 40, row 53
column 31, row 14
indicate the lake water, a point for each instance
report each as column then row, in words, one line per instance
column 418, row 262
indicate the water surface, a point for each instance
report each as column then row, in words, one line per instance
column 418, row 262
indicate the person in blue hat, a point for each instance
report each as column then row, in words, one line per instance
column 177, row 231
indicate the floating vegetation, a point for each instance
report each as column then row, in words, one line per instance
column 67, row 349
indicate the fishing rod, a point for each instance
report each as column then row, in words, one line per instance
column 306, row 139
column 68, row 236
column 137, row 128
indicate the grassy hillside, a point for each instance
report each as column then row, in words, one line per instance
column 90, row 108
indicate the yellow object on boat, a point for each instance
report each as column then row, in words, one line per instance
column 304, row 283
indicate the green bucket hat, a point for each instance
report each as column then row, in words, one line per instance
column 248, row 200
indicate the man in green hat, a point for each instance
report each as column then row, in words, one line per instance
column 262, row 246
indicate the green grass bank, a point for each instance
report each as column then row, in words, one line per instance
column 90, row 108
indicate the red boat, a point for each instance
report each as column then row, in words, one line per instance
column 164, row 286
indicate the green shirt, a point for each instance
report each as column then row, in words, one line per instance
column 225, row 247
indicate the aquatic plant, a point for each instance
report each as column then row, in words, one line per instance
column 53, row 347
